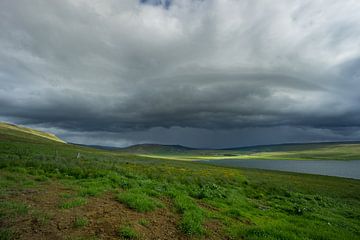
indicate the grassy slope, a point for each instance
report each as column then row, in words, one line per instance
column 207, row 202
column 27, row 133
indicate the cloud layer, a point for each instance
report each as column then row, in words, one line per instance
column 128, row 68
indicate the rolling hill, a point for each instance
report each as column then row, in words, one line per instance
column 157, row 149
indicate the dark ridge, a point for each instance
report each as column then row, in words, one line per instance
column 152, row 147
column 159, row 145
column 101, row 147
column 156, row 148
column 148, row 147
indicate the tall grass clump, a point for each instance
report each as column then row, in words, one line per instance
column 138, row 201
column 192, row 216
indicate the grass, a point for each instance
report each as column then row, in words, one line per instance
column 245, row 204
column 41, row 218
column 192, row 222
column 12, row 208
column 144, row 222
column 138, row 201
column 80, row 222
column 127, row 232
column 192, row 215
column 6, row 234
column 73, row 203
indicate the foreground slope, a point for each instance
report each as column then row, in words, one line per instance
column 51, row 190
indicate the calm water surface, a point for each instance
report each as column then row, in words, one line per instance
column 347, row 169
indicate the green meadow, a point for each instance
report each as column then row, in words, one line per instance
column 53, row 190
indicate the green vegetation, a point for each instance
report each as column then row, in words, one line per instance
column 6, row 234
column 127, row 232
column 192, row 215
column 11, row 209
column 73, row 203
column 80, row 222
column 206, row 200
column 191, row 222
column 144, row 222
column 138, row 201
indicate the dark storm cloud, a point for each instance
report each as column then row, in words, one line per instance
column 164, row 3
column 204, row 68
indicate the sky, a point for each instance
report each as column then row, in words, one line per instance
column 200, row 73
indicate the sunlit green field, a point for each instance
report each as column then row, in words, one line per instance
column 48, row 188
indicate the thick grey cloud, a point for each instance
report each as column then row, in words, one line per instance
column 232, row 70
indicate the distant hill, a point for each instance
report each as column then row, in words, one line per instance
column 100, row 147
column 157, row 149
column 13, row 131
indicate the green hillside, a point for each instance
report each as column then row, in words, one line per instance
column 18, row 132
column 51, row 190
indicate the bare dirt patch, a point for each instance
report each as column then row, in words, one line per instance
column 46, row 220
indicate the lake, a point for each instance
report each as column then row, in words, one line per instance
column 347, row 169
